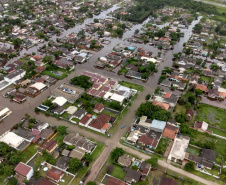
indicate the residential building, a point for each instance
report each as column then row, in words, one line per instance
column 24, row 171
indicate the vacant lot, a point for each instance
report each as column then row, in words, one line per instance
column 212, row 115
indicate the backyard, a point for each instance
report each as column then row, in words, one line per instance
column 132, row 85
column 28, row 152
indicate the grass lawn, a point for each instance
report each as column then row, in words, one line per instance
column 67, row 179
column 36, row 161
column 212, row 115
column 193, row 151
column 100, row 147
column 28, row 152
column 163, row 144
column 59, row 138
column 65, row 115
column 132, row 85
column 75, row 119
column 54, row 75
column 207, row 79
column 218, row 132
column 118, row 172
column 110, row 113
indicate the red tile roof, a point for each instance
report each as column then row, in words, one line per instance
column 85, row 119
column 98, row 107
column 161, row 104
column 49, row 145
column 201, row 87
column 22, row 169
column 147, row 141
column 167, row 95
column 54, row 174
column 114, row 181
column 170, row 131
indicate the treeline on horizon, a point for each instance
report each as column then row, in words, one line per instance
column 144, row 8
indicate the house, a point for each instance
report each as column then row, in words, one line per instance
column 178, row 150
column 170, row 131
column 49, row 146
column 40, row 181
column 77, row 153
column 144, row 140
column 168, row 181
column 114, row 181
column 101, row 123
column 164, row 106
column 62, row 162
column 14, row 76
column 213, row 93
column 98, row 108
column 201, row 126
column 132, row 176
column 55, row 175
column 209, row 155
column 133, row 137
column 144, row 168
column 157, row 125
column 4, row 112
column 189, row 113
column 125, row 160
column 203, row 88
column 65, row 152
column 85, row 120
column 24, row 171
column 207, row 72
column 80, row 113
column 47, row 132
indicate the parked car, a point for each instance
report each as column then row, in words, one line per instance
column 123, row 126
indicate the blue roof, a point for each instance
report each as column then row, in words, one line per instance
column 158, row 124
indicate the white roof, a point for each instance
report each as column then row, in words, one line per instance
column 220, row 89
column 149, row 59
column 60, row 101
column 39, row 85
column 71, row 109
column 204, row 126
column 11, row 139
column 178, row 150
column 107, row 95
column 3, row 111
column 117, row 97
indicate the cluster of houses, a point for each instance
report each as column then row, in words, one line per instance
column 147, row 133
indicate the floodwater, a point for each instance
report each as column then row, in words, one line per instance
column 167, row 55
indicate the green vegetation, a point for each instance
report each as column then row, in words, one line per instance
column 118, row 172
column 163, row 144
column 152, row 112
column 190, row 166
column 81, row 81
column 132, row 85
column 212, row 115
column 193, row 150
column 217, row 132
column 28, row 152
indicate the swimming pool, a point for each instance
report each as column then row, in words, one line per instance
column 136, row 163
column 131, row 48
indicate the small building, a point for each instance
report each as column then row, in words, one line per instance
column 55, row 174
column 189, row 114
column 201, row 126
column 157, row 125
column 24, row 171
column 168, row 181
column 125, row 160
column 203, row 88
column 4, row 112
column 114, row 181
column 132, row 176
column 170, row 131
column 49, row 146
column 163, row 105
column 98, row 108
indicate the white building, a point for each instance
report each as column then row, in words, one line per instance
column 14, row 76
column 4, row 112
column 24, row 170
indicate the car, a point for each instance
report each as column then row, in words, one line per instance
column 123, row 126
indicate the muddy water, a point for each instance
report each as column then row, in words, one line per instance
column 166, row 55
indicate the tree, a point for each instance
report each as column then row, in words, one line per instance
column 110, row 168
column 82, row 81
column 91, row 183
column 135, row 167
column 190, row 166
column 153, row 162
column 17, row 42
column 148, row 96
column 116, row 153
column 52, row 28
column 198, row 92
column 136, row 31
column 8, row 170
column 88, row 158
column 62, row 130
column 197, row 28
column 13, row 181
column 96, row 20
column 15, row 159
column 74, row 165
column 181, row 117
column 47, row 59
